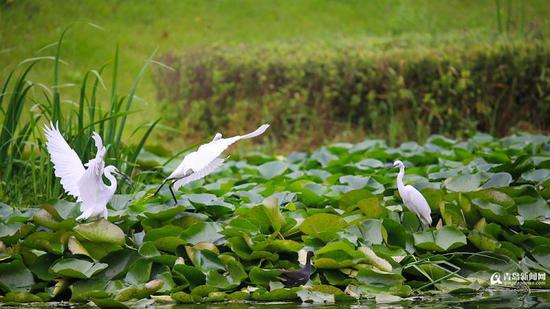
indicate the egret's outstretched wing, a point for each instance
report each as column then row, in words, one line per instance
column 207, row 154
column 419, row 205
column 98, row 145
column 258, row 131
column 200, row 173
column 67, row 164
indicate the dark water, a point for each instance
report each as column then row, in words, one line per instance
column 487, row 299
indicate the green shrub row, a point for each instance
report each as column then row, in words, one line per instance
column 397, row 93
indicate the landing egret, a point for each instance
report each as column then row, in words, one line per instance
column 84, row 182
column 204, row 161
column 298, row 277
column 412, row 198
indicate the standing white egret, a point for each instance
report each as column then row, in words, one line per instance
column 204, row 161
column 85, row 184
column 412, row 198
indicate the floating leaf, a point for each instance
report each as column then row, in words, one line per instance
column 322, row 222
column 263, row 277
column 447, row 238
column 463, row 183
column 75, row 268
column 101, row 231
column 495, row 213
column 14, row 276
column 272, row 169
column 201, row 232
column 371, row 208
column 139, row 272
column 536, row 176
column 498, row 180
column 379, row 279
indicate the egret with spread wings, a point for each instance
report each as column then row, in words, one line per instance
column 204, row 161
column 83, row 181
column 412, row 198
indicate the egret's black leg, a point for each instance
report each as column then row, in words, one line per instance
column 162, row 185
column 173, row 195
column 418, row 228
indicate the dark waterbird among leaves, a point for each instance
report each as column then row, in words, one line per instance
column 297, row 277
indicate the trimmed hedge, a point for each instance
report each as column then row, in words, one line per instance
column 399, row 93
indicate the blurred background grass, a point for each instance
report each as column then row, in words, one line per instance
column 174, row 27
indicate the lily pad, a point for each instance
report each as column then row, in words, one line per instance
column 272, row 169
column 75, row 268
column 447, row 238
column 322, row 222
column 101, row 231
column 201, row 232
column 463, row 183
column 14, row 276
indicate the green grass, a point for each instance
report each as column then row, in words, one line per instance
column 141, row 27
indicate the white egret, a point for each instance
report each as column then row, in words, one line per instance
column 412, row 198
column 84, row 182
column 204, row 161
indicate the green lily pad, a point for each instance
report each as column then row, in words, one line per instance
column 498, row 180
column 371, row 208
column 542, row 255
column 75, row 268
column 84, row 290
column 447, row 238
column 536, row 176
column 201, row 232
column 322, row 222
column 379, row 279
column 463, row 183
column 495, row 213
column 21, row 297
column 101, row 231
column 14, row 276
column 192, row 275
column 350, row 199
column 263, row 277
column 533, row 209
column 272, row 169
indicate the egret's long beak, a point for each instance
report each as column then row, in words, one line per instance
column 125, row 178
column 395, row 165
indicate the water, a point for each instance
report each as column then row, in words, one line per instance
column 487, row 299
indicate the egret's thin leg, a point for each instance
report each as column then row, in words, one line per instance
column 161, row 185
column 173, row 195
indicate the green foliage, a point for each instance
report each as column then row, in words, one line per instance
column 320, row 90
column 331, row 201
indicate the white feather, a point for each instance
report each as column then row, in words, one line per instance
column 199, row 174
column 415, row 202
column 201, row 159
column 67, row 164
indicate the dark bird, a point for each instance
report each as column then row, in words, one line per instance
column 297, row 277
